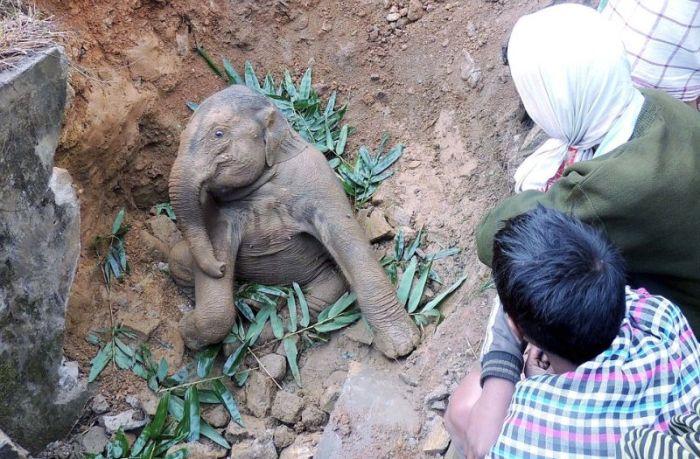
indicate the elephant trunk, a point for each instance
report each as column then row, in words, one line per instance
column 185, row 197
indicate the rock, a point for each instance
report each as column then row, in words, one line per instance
column 197, row 450
column 359, row 332
column 337, row 378
column 393, row 17
column 399, row 216
column 468, row 70
column 99, row 404
column 415, row 10
column 258, row 393
column 438, row 405
column 127, row 420
column 276, row 365
column 437, row 440
column 471, row 29
column 441, row 392
column 254, row 428
column 329, row 397
column 148, row 402
column 164, row 229
column 283, row 436
column 217, row 416
column 171, row 347
column 39, row 249
column 94, row 440
column 287, row 407
column 254, row 449
column 375, row 224
column 313, row 418
column 9, row 450
column 370, row 403
column 304, row 447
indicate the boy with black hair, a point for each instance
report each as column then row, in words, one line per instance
column 604, row 358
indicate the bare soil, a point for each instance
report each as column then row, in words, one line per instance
column 133, row 68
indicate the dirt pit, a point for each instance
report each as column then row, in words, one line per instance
column 433, row 78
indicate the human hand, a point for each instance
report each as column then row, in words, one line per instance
column 474, row 426
column 536, row 362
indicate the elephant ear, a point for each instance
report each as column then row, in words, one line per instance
column 281, row 143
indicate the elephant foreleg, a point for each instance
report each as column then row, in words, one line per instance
column 214, row 312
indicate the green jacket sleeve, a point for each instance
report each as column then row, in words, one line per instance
column 567, row 195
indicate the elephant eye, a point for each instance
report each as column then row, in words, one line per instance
column 218, row 133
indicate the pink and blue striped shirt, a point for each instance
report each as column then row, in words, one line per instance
column 650, row 373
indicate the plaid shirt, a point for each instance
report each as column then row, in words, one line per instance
column 650, row 373
column 662, row 40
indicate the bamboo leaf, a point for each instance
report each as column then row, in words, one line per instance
column 418, row 288
column 191, row 105
column 330, row 105
column 443, row 253
column 414, row 246
column 251, row 80
column 305, row 85
column 209, row 62
column 257, row 327
column 292, row 308
column 209, row 432
column 342, row 140
column 205, row 360
column 389, row 159
column 235, row 359
column 154, row 429
column 399, row 245
column 339, row 322
column 245, row 309
column 342, row 304
column 100, row 361
column 118, row 220
column 277, row 325
column 233, row 76
column 192, row 402
column 432, row 304
column 162, row 369
column 303, row 305
column 406, row 282
column 226, row 398
column 290, row 348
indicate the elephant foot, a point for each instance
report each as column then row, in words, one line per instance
column 398, row 338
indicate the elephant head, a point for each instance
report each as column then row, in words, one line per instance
column 233, row 142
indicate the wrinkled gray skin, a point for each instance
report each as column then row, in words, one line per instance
column 255, row 201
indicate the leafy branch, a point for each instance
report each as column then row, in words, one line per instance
column 114, row 264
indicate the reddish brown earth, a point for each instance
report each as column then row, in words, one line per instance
column 134, row 66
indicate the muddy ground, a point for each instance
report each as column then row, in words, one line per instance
column 134, row 66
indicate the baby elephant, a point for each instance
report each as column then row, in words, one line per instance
column 255, row 201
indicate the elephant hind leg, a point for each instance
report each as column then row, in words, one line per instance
column 325, row 289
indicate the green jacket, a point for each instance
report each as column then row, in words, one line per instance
column 644, row 194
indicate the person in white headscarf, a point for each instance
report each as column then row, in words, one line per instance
column 623, row 159
column 662, row 41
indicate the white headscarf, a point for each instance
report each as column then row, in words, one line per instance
column 570, row 69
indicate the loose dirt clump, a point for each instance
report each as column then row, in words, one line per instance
column 429, row 72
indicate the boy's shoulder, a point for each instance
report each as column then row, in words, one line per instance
column 654, row 314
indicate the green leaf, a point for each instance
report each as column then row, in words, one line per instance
column 406, row 282
column 399, row 245
column 245, row 309
column 251, row 80
column 205, row 360
column 93, row 339
column 119, row 219
column 292, row 307
column 192, row 402
column 226, row 398
column 119, row 447
column 389, row 159
column 290, row 348
column 209, row 432
column 233, row 76
column 339, row 322
column 154, row 429
column 414, row 246
column 209, row 61
column 162, row 369
column 257, row 327
column 100, row 361
column 241, row 378
column 443, row 253
column 303, row 305
column 305, row 85
column 432, row 304
column 418, row 288
column 330, row 105
column 191, row 105
column 277, row 325
column 342, row 140
column 167, row 209
column 342, row 304
column 179, row 454
column 235, row 359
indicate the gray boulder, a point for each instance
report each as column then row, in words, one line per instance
column 40, row 395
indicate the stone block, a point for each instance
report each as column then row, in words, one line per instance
column 39, row 249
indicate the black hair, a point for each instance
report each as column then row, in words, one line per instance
column 562, row 282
